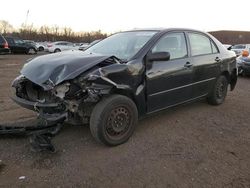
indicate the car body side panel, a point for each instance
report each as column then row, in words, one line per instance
column 126, row 79
column 168, row 83
column 206, row 70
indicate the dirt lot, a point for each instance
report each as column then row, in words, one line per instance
column 196, row 145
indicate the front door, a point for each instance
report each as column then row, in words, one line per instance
column 20, row 46
column 169, row 82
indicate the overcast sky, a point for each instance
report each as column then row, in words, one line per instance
column 117, row 15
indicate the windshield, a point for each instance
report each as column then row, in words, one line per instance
column 122, row 45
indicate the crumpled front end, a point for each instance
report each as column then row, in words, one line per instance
column 71, row 100
column 68, row 88
column 33, row 97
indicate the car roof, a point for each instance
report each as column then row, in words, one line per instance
column 164, row 29
column 62, row 41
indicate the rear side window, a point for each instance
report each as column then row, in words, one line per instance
column 61, row 44
column 201, row 44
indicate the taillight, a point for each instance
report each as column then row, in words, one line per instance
column 6, row 45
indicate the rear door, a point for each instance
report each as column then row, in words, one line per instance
column 206, row 62
column 169, row 82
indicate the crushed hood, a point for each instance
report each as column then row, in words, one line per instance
column 55, row 68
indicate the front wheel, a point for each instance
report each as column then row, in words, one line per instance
column 219, row 91
column 113, row 120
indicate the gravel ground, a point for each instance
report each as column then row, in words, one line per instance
column 196, row 145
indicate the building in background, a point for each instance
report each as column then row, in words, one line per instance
column 232, row 37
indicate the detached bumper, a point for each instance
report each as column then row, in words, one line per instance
column 33, row 105
column 45, row 119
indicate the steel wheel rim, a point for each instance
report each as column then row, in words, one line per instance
column 118, row 122
column 31, row 51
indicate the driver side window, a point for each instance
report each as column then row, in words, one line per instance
column 174, row 43
column 19, row 41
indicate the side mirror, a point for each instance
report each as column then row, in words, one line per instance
column 158, row 56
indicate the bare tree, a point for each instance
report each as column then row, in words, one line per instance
column 5, row 27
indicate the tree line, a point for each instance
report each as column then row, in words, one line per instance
column 49, row 33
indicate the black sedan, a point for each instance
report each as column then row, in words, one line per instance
column 125, row 76
column 19, row 46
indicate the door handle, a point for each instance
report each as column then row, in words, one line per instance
column 188, row 64
column 217, row 59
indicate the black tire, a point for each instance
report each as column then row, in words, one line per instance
column 219, row 91
column 113, row 120
column 57, row 50
column 41, row 48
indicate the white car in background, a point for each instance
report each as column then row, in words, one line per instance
column 59, row 46
column 39, row 46
column 85, row 46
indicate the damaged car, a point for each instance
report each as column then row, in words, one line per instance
column 125, row 77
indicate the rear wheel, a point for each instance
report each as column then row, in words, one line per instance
column 57, row 50
column 219, row 91
column 113, row 120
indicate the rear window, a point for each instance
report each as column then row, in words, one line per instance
column 2, row 39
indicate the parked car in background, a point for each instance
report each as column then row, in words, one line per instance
column 238, row 48
column 125, row 76
column 228, row 46
column 39, row 46
column 20, row 46
column 61, row 46
column 243, row 63
column 81, row 44
column 45, row 45
column 82, row 48
column 4, row 46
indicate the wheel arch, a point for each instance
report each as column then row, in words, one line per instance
column 57, row 49
column 139, row 100
column 231, row 78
